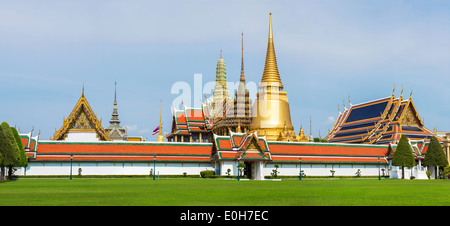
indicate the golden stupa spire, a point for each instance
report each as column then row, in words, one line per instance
column 271, row 76
column 271, row 109
column 160, row 136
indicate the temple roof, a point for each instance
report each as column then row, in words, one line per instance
column 189, row 120
column 327, row 153
column 240, row 146
column 418, row 147
column 30, row 143
column 119, row 151
column 81, row 119
column 379, row 121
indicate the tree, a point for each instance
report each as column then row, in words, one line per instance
column 275, row 171
column 8, row 148
column 403, row 156
column 435, row 155
column 317, row 139
column 22, row 160
column 241, row 167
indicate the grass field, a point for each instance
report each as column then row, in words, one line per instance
column 222, row 192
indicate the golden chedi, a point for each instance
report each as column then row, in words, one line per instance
column 271, row 114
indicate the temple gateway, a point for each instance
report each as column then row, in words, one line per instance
column 234, row 136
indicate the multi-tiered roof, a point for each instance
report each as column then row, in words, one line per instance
column 379, row 121
column 240, row 146
column 191, row 120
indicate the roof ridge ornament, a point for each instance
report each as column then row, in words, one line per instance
column 401, row 94
column 393, row 91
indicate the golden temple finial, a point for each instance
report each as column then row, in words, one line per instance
column 401, row 93
column 270, row 26
column 349, row 102
column 410, row 94
column 271, row 76
column 393, row 91
column 220, row 54
column 160, row 136
column 82, row 92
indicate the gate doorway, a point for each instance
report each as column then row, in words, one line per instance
column 248, row 172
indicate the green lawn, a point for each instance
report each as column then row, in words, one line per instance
column 222, row 192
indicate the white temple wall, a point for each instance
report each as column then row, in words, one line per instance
column 85, row 137
column 324, row 169
column 107, row 168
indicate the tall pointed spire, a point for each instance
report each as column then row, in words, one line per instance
column 242, row 79
column 242, row 101
column 220, row 92
column 271, row 109
column 115, row 115
column 242, row 87
column 271, row 76
column 115, row 90
column 114, row 129
column 160, row 136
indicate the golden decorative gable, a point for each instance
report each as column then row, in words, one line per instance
column 81, row 119
column 253, row 146
column 410, row 117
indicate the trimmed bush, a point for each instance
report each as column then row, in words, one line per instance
column 207, row 174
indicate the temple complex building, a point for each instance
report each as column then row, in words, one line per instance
column 234, row 138
column 220, row 93
column 191, row 124
column 381, row 121
column 446, row 142
column 235, row 115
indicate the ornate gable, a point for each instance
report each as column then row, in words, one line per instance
column 410, row 117
column 254, row 148
column 240, row 146
column 81, row 119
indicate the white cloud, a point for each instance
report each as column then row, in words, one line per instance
column 330, row 120
column 131, row 128
column 144, row 131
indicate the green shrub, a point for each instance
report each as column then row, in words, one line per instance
column 207, row 174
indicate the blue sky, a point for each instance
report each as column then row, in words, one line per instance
column 327, row 50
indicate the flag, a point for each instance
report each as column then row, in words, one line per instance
column 155, row 131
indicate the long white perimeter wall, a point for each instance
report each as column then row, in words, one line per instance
column 38, row 168
column 309, row 169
